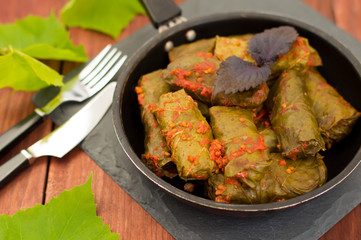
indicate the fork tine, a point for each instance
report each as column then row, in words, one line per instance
column 95, row 72
column 91, row 82
column 100, row 84
column 94, row 62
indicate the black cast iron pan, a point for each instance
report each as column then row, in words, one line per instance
column 340, row 68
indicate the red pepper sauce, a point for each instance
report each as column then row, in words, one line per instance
column 182, row 82
column 248, row 145
column 202, row 127
column 220, row 189
column 223, row 199
column 216, row 151
column 232, row 181
column 140, row 95
column 205, row 67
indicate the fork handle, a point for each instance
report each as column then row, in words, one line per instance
column 20, row 130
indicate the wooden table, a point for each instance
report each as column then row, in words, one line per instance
column 48, row 177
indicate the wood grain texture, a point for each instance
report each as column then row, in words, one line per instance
column 323, row 7
column 348, row 16
column 114, row 206
column 27, row 189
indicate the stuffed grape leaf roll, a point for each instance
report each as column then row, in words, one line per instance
column 270, row 139
column 334, row 114
column 253, row 98
column 187, row 134
column 202, row 45
column 284, row 179
column 300, row 56
column 157, row 154
column 245, row 150
column 232, row 46
column 196, row 73
column 292, row 117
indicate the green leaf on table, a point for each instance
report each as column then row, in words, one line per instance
column 109, row 16
column 22, row 72
column 43, row 38
column 71, row 215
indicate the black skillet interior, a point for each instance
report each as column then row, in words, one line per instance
column 340, row 69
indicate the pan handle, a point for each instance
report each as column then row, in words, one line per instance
column 161, row 12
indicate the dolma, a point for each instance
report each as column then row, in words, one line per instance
column 151, row 87
column 202, row 45
column 196, row 73
column 232, row 46
column 300, row 56
column 284, row 179
column 292, row 117
column 244, row 148
column 270, row 139
column 252, row 98
column 157, row 154
column 334, row 114
column 187, row 133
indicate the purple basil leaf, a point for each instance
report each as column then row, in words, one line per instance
column 235, row 74
column 266, row 46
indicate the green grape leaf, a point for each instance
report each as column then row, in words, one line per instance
column 43, row 38
column 71, row 215
column 109, row 17
column 22, row 72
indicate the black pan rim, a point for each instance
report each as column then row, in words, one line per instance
column 207, row 203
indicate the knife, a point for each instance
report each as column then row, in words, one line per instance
column 64, row 138
column 79, row 85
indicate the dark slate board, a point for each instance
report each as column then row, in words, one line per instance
column 308, row 221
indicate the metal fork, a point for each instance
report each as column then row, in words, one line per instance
column 92, row 78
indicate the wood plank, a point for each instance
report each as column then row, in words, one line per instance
column 348, row 17
column 26, row 190
column 323, row 7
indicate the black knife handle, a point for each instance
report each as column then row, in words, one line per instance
column 12, row 168
column 21, row 129
column 161, row 11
